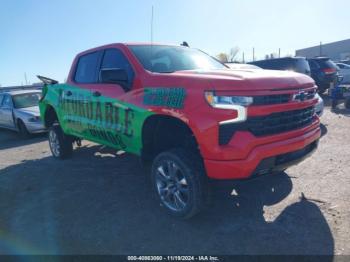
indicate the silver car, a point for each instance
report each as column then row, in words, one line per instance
column 19, row 111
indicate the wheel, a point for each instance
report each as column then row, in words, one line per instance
column 347, row 103
column 61, row 145
column 22, row 129
column 179, row 181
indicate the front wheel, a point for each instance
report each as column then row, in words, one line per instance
column 179, row 181
column 61, row 145
column 22, row 130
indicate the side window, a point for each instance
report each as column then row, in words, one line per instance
column 114, row 58
column 7, row 102
column 340, row 66
column 313, row 65
column 1, row 98
column 86, row 70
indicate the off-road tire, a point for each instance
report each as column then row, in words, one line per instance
column 64, row 142
column 191, row 167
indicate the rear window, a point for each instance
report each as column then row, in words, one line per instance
column 327, row 64
column 86, row 70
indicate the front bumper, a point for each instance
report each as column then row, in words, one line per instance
column 265, row 158
column 35, row 127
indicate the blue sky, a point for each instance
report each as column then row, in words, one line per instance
column 42, row 37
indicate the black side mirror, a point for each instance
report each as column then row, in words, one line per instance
column 114, row 76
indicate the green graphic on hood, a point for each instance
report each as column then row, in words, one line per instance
column 172, row 97
column 101, row 119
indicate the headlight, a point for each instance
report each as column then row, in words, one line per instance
column 227, row 102
column 237, row 103
column 34, row 119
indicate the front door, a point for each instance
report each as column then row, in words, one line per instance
column 6, row 112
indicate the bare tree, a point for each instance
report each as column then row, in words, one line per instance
column 233, row 52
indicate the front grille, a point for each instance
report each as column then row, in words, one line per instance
column 282, row 99
column 274, row 123
column 271, row 99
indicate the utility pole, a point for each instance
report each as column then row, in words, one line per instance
column 320, row 48
column 243, row 58
column 25, row 78
column 152, row 26
column 253, row 54
column 279, row 52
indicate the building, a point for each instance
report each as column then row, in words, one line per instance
column 336, row 51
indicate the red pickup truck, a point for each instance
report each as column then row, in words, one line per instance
column 189, row 116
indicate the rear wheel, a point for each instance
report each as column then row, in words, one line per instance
column 179, row 181
column 61, row 145
column 22, row 129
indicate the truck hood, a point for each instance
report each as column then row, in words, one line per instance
column 250, row 79
column 33, row 110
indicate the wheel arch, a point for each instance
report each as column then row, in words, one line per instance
column 50, row 116
column 162, row 132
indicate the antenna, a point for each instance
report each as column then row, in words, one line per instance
column 152, row 26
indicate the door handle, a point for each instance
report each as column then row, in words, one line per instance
column 68, row 93
column 96, row 94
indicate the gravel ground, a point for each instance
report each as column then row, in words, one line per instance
column 100, row 203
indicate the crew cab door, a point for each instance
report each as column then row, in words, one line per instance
column 77, row 106
column 6, row 112
column 113, row 117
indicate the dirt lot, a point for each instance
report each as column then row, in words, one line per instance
column 100, row 203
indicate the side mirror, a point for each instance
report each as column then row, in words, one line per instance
column 114, row 76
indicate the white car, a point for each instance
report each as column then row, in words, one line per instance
column 241, row 66
column 19, row 111
column 319, row 106
column 344, row 70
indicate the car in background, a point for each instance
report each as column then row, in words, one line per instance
column 319, row 107
column 19, row 111
column 296, row 64
column 241, row 66
column 344, row 71
column 325, row 73
column 347, row 61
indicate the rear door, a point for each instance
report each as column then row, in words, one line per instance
column 77, row 108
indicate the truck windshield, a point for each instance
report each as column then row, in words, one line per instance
column 26, row 100
column 168, row 59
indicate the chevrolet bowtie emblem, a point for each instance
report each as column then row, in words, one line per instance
column 301, row 96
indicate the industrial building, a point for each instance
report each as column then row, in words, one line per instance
column 337, row 51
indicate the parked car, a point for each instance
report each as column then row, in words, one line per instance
column 344, row 71
column 19, row 111
column 345, row 62
column 325, row 73
column 241, row 66
column 185, row 114
column 319, row 106
column 296, row 64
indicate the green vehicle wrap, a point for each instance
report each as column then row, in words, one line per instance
column 104, row 120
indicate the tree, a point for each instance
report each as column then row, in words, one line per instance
column 223, row 57
column 233, row 52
